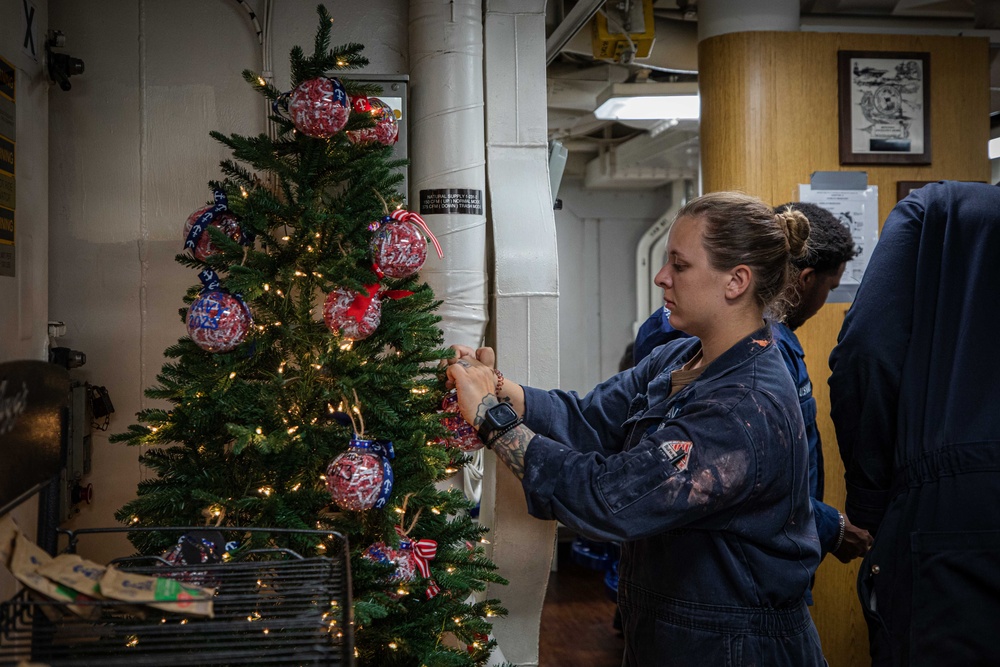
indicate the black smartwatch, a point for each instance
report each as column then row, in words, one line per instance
column 500, row 419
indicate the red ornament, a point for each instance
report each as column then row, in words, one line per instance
column 399, row 249
column 462, row 435
column 386, row 130
column 225, row 221
column 319, row 107
column 218, row 321
column 353, row 314
column 354, row 479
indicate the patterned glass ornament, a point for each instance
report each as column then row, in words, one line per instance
column 347, row 312
column 218, row 321
column 361, row 477
column 225, row 221
column 386, row 129
column 319, row 107
column 462, row 435
column 399, row 248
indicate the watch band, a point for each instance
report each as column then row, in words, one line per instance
column 496, row 435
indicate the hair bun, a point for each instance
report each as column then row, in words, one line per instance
column 796, row 228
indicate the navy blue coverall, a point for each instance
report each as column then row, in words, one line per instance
column 916, row 402
column 656, row 330
column 708, row 493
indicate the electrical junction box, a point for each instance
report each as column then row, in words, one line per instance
column 618, row 23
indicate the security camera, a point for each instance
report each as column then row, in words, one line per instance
column 61, row 65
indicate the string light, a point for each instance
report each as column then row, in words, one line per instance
column 293, row 430
column 299, row 273
column 309, row 248
column 347, row 345
column 297, row 486
column 260, row 80
column 267, row 288
column 458, row 620
column 135, row 519
column 232, row 375
column 260, row 431
column 132, row 641
column 266, row 490
column 244, row 192
column 435, row 510
column 393, row 645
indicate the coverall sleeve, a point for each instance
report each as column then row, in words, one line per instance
column 593, row 422
column 867, row 363
column 693, row 470
column 827, row 525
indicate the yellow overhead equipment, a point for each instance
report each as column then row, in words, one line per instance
column 621, row 27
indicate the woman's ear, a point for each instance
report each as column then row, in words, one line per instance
column 740, row 279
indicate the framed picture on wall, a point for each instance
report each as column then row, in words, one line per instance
column 903, row 188
column 884, row 107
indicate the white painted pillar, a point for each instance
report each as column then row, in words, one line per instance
column 526, row 293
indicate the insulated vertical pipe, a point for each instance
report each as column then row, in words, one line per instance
column 447, row 154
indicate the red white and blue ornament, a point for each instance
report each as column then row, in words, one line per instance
column 399, row 248
column 353, row 314
column 412, row 559
column 361, row 477
column 217, row 321
column 386, row 128
column 217, row 214
column 462, row 435
column 319, row 107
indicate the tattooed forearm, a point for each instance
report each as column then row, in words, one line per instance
column 489, row 400
column 510, row 448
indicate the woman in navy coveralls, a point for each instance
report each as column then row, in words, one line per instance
column 695, row 460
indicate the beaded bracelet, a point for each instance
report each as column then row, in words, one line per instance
column 499, row 381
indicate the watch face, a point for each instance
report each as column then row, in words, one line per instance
column 501, row 415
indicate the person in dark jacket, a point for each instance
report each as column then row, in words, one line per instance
column 915, row 398
column 820, row 269
column 695, row 459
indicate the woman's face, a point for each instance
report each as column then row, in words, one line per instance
column 693, row 291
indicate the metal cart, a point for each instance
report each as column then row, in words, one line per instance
column 271, row 607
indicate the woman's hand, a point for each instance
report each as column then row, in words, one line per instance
column 474, row 382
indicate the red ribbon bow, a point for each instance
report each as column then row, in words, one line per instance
column 423, row 552
column 359, row 306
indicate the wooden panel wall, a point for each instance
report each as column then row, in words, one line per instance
column 769, row 119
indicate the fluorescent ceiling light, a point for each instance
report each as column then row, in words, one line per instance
column 649, row 101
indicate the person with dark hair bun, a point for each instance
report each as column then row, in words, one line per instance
column 695, row 459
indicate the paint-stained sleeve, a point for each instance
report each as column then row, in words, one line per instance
column 695, row 469
column 867, row 363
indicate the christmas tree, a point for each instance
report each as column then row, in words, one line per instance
column 311, row 341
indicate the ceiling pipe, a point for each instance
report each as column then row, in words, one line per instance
column 582, row 12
